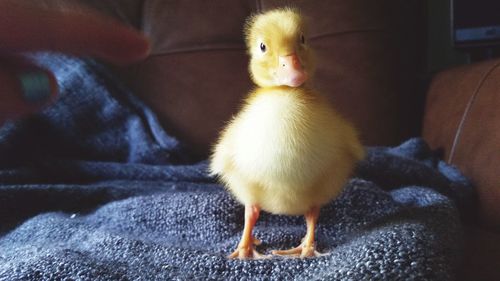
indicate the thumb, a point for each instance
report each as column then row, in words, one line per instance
column 25, row 88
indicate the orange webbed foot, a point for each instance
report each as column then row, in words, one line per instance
column 307, row 248
column 247, row 251
column 303, row 251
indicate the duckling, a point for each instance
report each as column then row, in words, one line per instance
column 287, row 151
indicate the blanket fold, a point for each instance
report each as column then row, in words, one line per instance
column 92, row 188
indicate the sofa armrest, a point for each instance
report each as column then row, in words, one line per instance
column 462, row 117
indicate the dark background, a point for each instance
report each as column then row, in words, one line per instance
column 440, row 53
column 470, row 13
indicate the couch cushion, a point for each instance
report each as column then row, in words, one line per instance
column 197, row 74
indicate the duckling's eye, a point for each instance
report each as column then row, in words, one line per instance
column 263, row 47
column 302, row 39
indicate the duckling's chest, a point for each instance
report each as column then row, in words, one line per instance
column 276, row 135
column 272, row 118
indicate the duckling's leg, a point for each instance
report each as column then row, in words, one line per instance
column 246, row 247
column 307, row 247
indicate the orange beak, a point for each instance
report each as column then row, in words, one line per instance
column 290, row 71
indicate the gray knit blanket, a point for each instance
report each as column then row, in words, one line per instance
column 92, row 188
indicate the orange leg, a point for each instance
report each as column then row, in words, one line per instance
column 307, row 247
column 246, row 247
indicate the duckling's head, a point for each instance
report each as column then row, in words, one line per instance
column 279, row 52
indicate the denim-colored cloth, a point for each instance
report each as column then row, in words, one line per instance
column 92, row 188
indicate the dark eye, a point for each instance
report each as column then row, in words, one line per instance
column 263, row 47
column 302, row 39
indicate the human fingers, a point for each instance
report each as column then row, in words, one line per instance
column 27, row 28
column 25, row 88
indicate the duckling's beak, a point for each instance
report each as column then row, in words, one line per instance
column 290, row 71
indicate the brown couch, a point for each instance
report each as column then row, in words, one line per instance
column 462, row 118
column 370, row 63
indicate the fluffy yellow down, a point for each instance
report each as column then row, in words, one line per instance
column 287, row 150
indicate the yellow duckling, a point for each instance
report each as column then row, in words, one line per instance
column 287, row 151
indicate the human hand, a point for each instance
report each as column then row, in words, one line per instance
column 24, row 87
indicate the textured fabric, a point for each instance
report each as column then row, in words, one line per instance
column 93, row 189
